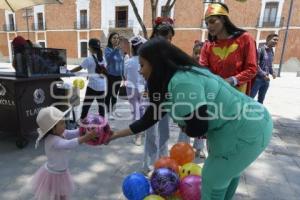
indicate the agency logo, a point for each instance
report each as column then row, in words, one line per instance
column 2, row 90
column 39, row 96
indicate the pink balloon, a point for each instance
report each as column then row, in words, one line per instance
column 190, row 187
column 100, row 125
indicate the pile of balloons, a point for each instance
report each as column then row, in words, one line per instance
column 98, row 123
column 174, row 178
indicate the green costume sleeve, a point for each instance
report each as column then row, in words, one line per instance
column 186, row 98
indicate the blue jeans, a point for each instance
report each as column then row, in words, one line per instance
column 198, row 143
column 261, row 87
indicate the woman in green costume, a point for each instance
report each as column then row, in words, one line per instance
column 237, row 128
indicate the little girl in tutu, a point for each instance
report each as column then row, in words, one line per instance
column 53, row 180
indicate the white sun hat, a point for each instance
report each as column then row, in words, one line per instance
column 46, row 119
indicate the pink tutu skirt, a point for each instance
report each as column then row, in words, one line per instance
column 48, row 185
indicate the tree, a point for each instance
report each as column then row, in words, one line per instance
column 137, row 15
column 166, row 10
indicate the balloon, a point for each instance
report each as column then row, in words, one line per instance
column 174, row 197
column 78, row 83
column 167, row 162
column 190, row 187
column 190, row 169
column 98, row 123
column 182, row 153
column 135, row 186
column 154, row 197
column 164, row 181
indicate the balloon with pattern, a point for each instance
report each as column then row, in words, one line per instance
column 182, row 153
column 135, row 186
column 100, row 124
column 190, row 188
column 164, row 181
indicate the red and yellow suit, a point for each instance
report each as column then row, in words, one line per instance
column 235, row 57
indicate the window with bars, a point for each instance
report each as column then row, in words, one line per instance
column 83, row 19
column 43, row 44
column 83, row 49
column 11, row 22
column 40, row 21
column 121, row 17
column 270, row 14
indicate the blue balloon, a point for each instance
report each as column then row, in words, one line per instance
column 136, row 186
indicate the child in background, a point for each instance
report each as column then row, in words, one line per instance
column 135, row 82
column 53, row 180
column 198, row 143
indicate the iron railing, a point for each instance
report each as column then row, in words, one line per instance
column 9, row 27
column 121, row 23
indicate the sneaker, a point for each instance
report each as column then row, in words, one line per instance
column 200, row 154
column 111, row 117
column 138, row 140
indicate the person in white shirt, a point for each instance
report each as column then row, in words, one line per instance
column 135, row 83
column 95, row 66
column 53, row 181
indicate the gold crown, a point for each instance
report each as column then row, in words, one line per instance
column 215, row 9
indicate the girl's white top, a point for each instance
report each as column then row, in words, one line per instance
column 133, row 78
column 58, row 148
column 96, row 81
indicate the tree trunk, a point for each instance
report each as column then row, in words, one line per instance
column 136, row 12
column 154, row 10
column 168, row 7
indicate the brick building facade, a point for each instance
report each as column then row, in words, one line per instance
column 70, row 25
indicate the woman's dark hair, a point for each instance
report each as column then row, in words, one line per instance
column 109, row 44
column 162, row 30
column 165, row 60
column 228, row 25
column 95, row 45
column 135, row 49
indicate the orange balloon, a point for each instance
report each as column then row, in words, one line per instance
column 167, row 162
column 182, row 153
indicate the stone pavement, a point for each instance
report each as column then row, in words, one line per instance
column 98, row 171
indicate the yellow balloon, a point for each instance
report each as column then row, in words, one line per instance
column 190, row 169
column 173, row 198
column 153, row 197
column 78, row 83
